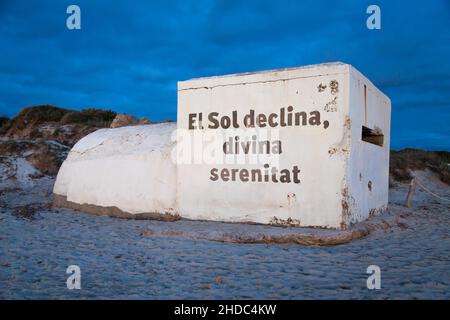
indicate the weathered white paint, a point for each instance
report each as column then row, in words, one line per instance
column 331, row 192
column 367, row 162
column 128, row 167
column 131, row 168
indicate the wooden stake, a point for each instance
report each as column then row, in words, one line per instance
column 412, row 188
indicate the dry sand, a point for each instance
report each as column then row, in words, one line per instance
column 151, row 259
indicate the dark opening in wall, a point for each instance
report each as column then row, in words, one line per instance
column 374, row 136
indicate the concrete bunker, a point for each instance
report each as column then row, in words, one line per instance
column 333, row 128
column 124, row 172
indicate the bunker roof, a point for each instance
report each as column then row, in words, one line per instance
column 266, row 75
column 313, row 70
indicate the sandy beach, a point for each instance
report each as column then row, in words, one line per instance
column 147, row 259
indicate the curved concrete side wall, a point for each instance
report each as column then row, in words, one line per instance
column 128, row 169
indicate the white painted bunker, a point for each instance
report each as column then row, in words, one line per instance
column 323, row 132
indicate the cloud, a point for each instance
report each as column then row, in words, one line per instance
column 130, row 55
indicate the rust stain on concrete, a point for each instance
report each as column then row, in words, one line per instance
column 334, row 86
column 289, row 222
column 321, row 87
column 343, row 147
column 60, row 201
column 347, row 203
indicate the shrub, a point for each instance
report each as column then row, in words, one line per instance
column 40, row 114
column 90, row 115
column 4, row 125
column 3, row 121
column 415, row 159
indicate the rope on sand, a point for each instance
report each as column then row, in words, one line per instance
column 428, row 190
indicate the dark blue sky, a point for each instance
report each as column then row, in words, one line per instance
column 129, row 55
